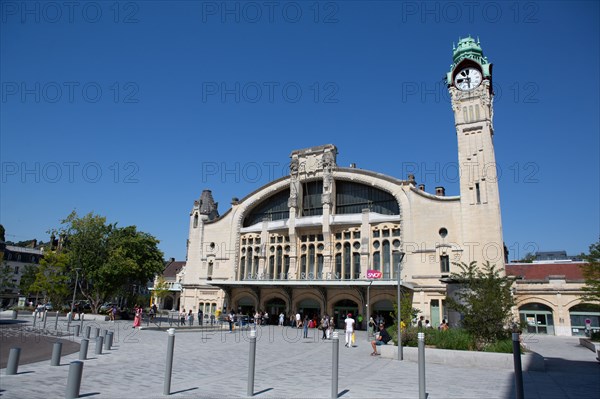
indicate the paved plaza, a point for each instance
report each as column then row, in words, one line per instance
column 212, row 363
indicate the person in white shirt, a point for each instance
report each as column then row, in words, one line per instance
column 298, row 320
column 349, row 330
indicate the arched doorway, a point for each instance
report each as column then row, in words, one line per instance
column 582, row 313
column 310, row 308
column 538, row 317
column 168, row 303
column 341, row 310
column 246, row 305
column 384, row 309
column 274, row 307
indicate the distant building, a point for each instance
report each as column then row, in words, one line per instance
column 15, row 261
column 545, row 256
column 548, row 297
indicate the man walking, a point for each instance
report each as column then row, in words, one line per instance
column 349, row 330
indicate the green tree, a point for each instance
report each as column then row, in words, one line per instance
column 485, row 302
column 161, row 289
column 110, row 259
column 591, row 273
column 6, row 278
column 27, row 280
column 52, row 277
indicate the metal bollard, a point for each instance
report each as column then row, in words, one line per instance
column 34, row 318
column 251, row 363
column 74, row 380
column 96, row 332
column 104, row 332
column 86, row 334
column 76, row 333
column 56, row 350
column 13, row 361
column 99, row 342
column 110, row 339
column 45, row 318
column 518, row 369
column 81, row 321
column 56, row 322
column 335, row 360
column 106, row 342
column 421, row 339
column 69, row 318
column 83, row 349
column 169, row 364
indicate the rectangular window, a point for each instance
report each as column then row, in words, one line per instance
column 375, row 233
column 338, row 236
column 356, row 234
column 16, row 269
column 445, row 264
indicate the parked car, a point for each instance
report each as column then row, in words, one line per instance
column 48, row 306
column 105, row 306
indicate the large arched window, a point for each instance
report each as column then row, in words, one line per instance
column 273, row 208
column 354, row 197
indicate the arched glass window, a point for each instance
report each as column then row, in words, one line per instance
column 303, row 267
column 386, row 260
column 338, row 266
column 311, row 198
column 273, row 208
column 320, row 266
column 311, row 259
column 243, row 268
column 376, row 261
column 356, row 261
column 279, row 261
column 353, row 197
column 347, row 261
column 271, row 264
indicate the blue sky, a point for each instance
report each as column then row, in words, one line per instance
column 130, row 109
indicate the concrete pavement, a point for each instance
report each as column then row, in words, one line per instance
column 211, row 363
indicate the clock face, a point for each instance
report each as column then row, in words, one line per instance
column 467, row 79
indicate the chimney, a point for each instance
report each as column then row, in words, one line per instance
column 422, row 187
column 171, row 260
column 353, row 165
column 411, row 179
column 440, row 191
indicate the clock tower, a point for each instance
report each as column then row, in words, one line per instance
column 470, row 86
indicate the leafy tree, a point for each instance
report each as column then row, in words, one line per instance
column 161, row 289
column 110, row 259
column 485, row 302
column 591, row 273
column 6, row 277
column 529, row 258
column 28, row 279
column 2, row 233
column 52, row 277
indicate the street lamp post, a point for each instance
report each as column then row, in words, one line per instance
column 399, row 320
column 74, row 290
column 368, row 309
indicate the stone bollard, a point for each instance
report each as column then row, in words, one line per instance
column 99, row 342
column 74, row 380
column 110, row 339
column 335, row 357
column 87, row 332
column 421, row 339
column 169, row 364
column 13, row 361
column 83, row 349
column 76, row 333
column 251, row 363
column 56, row 351
column 96, row 332
column 56, row 321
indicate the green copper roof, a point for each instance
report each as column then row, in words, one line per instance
column 468, row 48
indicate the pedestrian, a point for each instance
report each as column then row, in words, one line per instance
column 154, row 311
column 325, row 326
column 305, row 325
column 266, row 318
column 231, row 320
column 443, row 326
column 298, row 320
column 182, row 317
column 371, row 326
column 427, row 324
column 190, row 318
column 382, row 339
column 281, row 318
column 200, row 317
column 137, row 319
column 349, row 329
column 420, row 323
